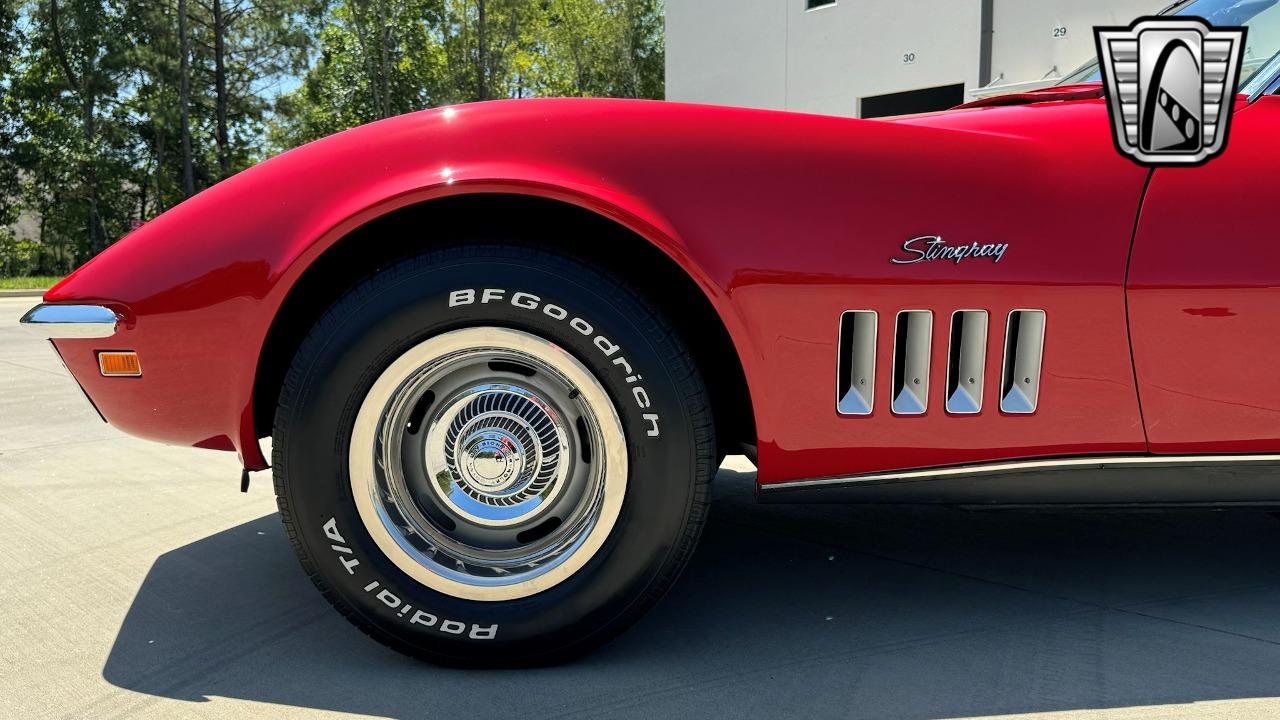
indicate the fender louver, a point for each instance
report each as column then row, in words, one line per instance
column 966, row 369
column 1023, row 354
column 966, row 362
column 913, row 343
column 856, row 369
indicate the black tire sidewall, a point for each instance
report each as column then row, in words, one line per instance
column 423, row 297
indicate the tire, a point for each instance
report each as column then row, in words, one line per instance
column 539, row 429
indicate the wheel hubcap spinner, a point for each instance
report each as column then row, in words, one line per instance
column 503, row 449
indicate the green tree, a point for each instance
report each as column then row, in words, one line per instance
column 492, row 49
column 379, row 58
column 154, row 61
column 250, row 46
column 204, row 119
column 10, row 42
column 74, row 149
column 604, row 48
column 376, row 58
column 112, row 111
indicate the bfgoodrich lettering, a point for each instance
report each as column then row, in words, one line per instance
column 612, row 352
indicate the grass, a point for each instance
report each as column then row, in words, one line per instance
column 36, row 282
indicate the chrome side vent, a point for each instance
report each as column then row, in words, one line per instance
column 912, row 345
column 966, row 362
column 856, row 368
column 1023, row 354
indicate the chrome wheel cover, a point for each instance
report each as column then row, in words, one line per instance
column 488, row 464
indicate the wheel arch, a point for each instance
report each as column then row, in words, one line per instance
column 614, row 240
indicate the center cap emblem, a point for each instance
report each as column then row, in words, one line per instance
column 489, row 458
column 492, row 461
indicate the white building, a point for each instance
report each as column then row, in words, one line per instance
column 868, row 58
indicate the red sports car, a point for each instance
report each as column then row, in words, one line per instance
column 502, row 348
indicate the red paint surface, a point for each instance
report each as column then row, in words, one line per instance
column 785, row 220
column 1204, row 299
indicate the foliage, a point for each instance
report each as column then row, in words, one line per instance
column 18, row 257
column 10, row 41
column 29, row 282
column 375, row 60
column 112, row 111
column 378, row 58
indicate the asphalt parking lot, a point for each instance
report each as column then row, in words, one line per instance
column 138, row 582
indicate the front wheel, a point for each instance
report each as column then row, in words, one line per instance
column 493, row 456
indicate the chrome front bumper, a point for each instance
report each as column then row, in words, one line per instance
column 71, row 321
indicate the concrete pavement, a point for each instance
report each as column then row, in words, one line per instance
column 137, row 582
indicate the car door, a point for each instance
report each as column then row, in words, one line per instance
column 1204, row 297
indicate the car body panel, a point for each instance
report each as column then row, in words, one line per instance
column 784, row 220
column 1204, row 300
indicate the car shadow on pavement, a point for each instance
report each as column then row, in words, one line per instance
column 813, row 611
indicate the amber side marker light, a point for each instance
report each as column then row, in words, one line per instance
column 119, row 364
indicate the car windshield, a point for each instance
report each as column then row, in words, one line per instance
column 1262, row 17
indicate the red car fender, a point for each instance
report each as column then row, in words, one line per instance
column 549, row 183
column 235, row 276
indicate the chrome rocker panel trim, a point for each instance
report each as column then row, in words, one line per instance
column 70, row 321
column 1126, row 480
